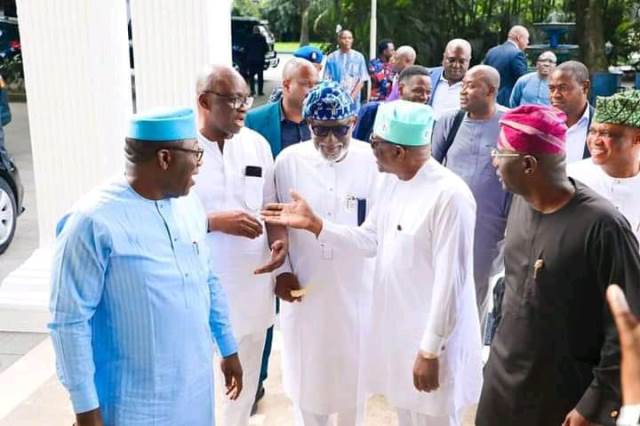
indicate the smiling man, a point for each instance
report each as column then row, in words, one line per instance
column 235, row 181
column 422, row 349
column 613, row 170
column 135, row 304
column 322, row 353
column 555, row 358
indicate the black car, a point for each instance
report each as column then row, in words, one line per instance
column 11, row 198
column 241, row 29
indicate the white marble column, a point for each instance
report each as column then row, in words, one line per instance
column 173, row 41
column 78, row 85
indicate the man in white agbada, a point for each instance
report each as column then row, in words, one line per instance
column 422, row 351
column 322, row 333
column 235, row 181
column 613, row 170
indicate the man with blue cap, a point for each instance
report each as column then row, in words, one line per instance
column 135, row 304
column 321, row 334
column 422, row 347
column 311, row 54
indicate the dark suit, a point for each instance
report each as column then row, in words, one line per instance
column 436, row 74
column 366, row 118
column 511, row 63
column 266, row 120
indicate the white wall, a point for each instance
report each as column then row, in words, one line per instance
column 173, row 41
column 78, row 86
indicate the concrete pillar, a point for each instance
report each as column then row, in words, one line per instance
column 78, row 86
column 173, row 41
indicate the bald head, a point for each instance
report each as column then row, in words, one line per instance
column 215, row 75
column 403, row 57
column 458, row 44
column 223, row 100
column 520, row 36
column 488, row 75
column 295, row 66
column 456, row 60
column 298, row 78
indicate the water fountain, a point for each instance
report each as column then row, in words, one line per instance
column 554, row 31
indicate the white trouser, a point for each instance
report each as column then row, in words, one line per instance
column 306, row 418
column 413, row 418
column 237, row 413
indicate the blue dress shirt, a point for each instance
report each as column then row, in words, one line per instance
column 135, row 308
column 530, row 89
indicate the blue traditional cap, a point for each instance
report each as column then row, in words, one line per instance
column 404, row 123
column 310, row 53
column 162, row 125
column 328, row 101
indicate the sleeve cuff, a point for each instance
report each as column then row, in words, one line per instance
column 432, row 343
column 84, row 398
column 598, row 406
column 227, row 344
column 629, row 415
column 327, row 231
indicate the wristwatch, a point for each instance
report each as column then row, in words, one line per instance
column 629, row 415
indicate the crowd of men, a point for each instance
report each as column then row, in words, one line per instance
column 378, row 228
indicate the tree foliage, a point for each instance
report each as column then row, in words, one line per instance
column 427, row 25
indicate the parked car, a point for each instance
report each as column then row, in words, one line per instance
column 241, row 29
column 9, row 37
column 11, row 198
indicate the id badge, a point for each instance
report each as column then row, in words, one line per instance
column 327, row 252
column 351, row 203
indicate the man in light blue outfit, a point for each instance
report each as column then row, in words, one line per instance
column 135, row 306
column 347, row 67
column 533, row 88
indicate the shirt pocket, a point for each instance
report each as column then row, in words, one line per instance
column 253, row 192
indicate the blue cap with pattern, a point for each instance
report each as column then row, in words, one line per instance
column 162, row 125
column 328, row 101
column 310, row 53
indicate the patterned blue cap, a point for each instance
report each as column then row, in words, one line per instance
column 328, row 101
column 162, row 125
column 310, row 53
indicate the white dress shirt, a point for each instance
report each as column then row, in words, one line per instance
column 446, row 97
column 577, row 137
column 222, row 186
column 624, row 193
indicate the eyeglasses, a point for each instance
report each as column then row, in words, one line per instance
column 234, row 101
column 497, row 154
column 338, row 131
column 198, row 152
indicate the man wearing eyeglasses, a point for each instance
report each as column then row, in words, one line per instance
column 235, row 181
column 465, row 149
column 327, row 288
column 555, row 358
column 533, row 88
column 446, row 80
column 135, row 305
column 422, row 348
column 613, row 170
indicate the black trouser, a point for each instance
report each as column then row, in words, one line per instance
column 253, row 69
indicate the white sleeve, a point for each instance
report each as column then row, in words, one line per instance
column 453, row 229
column 363, row 238
column 282, row 179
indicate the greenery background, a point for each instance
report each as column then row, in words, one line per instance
column 428, row 24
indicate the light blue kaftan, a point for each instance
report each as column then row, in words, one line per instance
column 135, row 308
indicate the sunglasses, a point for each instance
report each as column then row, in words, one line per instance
column 338, row 131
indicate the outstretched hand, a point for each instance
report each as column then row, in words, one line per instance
column 296, row 214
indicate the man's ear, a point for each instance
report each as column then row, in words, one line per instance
column 203, row 101
column 163, row 158
column 286, row 84
column 530, row 164
column 586, row 86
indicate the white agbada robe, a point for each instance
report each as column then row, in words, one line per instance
column 623, row 193
column 423, row 292
column 322, row 334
